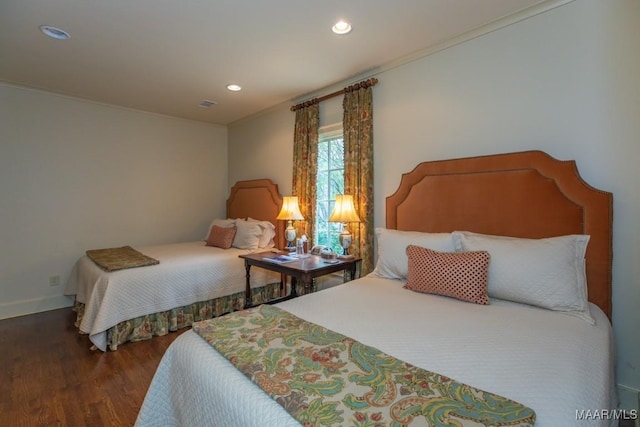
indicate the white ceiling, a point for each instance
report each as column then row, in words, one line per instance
column 167, row 56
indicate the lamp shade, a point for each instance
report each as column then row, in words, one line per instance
column 344, row 210
column 290, row 209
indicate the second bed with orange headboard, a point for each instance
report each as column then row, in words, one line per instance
column 190, row 281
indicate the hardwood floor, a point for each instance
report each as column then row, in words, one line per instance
column 49, row 377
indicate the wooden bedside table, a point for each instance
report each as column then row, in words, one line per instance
column 302, row 270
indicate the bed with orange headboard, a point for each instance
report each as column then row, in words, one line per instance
column 192, row 281
column 527, row 194
column 483, row 271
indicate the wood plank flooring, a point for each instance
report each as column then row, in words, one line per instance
column 49, row 377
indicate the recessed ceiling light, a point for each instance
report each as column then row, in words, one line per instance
column 234, row 88
column 341, row 27
column 54, row 33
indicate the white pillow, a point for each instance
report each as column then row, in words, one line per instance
column 247, row 235
column 268, row 233
column 226, row 223
column 392, row 260
column 548, row 273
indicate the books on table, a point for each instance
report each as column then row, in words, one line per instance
column 280, row 259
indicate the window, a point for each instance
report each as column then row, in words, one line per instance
column 330, row 181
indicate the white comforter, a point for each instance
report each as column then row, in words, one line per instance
column 552, row 362
column 187, row 273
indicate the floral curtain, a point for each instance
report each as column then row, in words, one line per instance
column 305, row 165
column 358, row 167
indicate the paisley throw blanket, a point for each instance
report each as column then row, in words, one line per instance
column 323, row 378
column 112, row 259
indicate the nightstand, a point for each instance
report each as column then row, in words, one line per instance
column 302, row 270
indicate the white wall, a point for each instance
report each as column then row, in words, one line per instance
column 76, row 175
column 565, row 82
column 262, row 148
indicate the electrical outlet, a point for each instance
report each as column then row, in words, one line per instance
column 54, row 280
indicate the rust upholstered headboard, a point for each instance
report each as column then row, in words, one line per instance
column 258, row 199
column 528, row 194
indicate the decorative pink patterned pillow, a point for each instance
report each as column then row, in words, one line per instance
column 221, row 237
column 461, row 275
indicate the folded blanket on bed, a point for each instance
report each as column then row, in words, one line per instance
column 324, row 378
column 112, row 259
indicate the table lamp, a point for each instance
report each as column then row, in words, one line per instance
column 290, row 212
column 344, row 211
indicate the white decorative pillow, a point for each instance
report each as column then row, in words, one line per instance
column 268, row 233
column 392, row 260
column 247, row 235
column 225, row 223
column 548, row 273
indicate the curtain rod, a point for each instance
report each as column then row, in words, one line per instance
column 363, row 84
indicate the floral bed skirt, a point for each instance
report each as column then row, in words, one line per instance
column 159, row 324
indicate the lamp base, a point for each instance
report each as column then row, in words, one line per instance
column 290, row 236
column 345, row 239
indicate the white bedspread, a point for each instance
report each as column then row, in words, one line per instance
column 187, row 273
column 553, row 363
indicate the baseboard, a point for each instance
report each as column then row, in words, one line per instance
column 630, row 401
column 37, row 305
